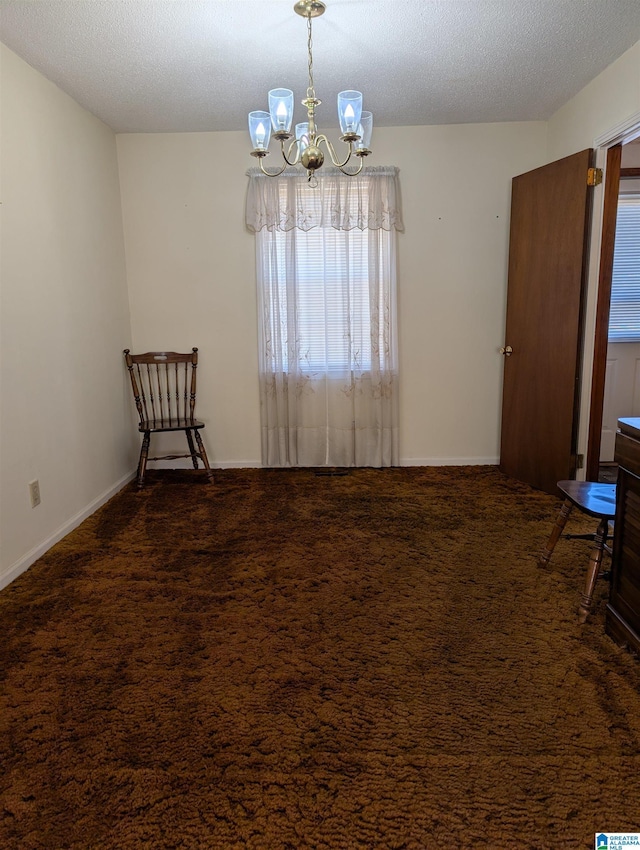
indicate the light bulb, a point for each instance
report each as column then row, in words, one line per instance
column 349, row 110
column 261, row 134
column 260, row 130
column 281, row 110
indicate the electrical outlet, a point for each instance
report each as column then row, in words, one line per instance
column 34, row 493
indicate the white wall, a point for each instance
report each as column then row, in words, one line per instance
column 621, row 394
column 191, row 275
column 630, row 159
column 64, row 316
column 607, row 101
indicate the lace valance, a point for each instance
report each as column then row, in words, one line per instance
column 369, row 201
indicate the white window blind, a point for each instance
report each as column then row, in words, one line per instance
column 332, row 296
column 624, row 316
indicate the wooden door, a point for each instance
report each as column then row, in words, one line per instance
column 601, row 343
column 550, row 211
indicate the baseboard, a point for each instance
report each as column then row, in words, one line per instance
column 256, row 464
column 239, row 464
column 31, row 557
column 185, row 463
column 450, row 461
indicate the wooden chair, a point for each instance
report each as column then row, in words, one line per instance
column 596, row 500
column 164, row 388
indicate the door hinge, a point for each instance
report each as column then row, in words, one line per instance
column 579, row 461
column 594, row 176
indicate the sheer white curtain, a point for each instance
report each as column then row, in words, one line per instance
column 326, row 270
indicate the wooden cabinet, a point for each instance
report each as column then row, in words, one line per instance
column 623, row 610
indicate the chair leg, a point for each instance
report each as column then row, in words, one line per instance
column 192, row 448
column 558, row 528
column 144, row 454
column 203, row 455
column 593, row 570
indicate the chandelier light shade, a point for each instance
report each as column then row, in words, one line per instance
column 365, row 130
column 281, row 110
column 349, row 111
column 260, row 130
column 304, row 146
column 302, row 135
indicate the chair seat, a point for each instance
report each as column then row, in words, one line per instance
column 595, row 499
column 169, row 424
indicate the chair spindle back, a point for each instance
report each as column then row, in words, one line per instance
column 164, row 385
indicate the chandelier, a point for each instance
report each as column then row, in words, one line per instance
column 304, row 146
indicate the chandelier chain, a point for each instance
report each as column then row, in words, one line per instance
column 310, row 90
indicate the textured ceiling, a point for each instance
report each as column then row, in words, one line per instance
column 188, row 65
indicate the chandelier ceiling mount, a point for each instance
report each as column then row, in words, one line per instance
column 310, row 8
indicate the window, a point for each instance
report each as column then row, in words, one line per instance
column 332, row 297
column 326, row 278
column 624, row 316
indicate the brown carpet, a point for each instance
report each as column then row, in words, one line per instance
column 287, row 661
